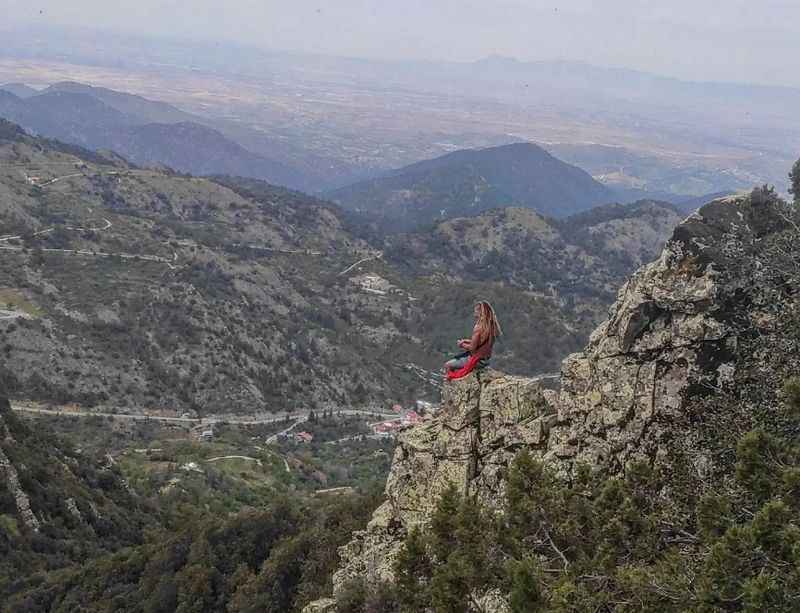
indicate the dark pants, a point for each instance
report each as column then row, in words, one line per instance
column 460, row 361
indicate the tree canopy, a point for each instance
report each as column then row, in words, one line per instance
column 794, row 180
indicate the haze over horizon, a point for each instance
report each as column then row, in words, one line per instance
column 694, row 41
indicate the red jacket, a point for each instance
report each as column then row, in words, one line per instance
column 463, row 372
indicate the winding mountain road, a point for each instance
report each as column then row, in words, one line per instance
column 299, row 417
column 4, row 314
column 235, row 457
column 361, row 261
column 103, row 254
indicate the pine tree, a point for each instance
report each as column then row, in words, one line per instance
column 526, row 593
column 794, row 181
column 413, row 567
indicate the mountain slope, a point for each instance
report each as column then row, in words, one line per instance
column 144, row 110
column 140, row 289
column 196, row 149
column 470, row 181
column 146, row 289
column 588, row 254
column 19, row 89
column 292, row 164
column 146, row 132
column 70, row 117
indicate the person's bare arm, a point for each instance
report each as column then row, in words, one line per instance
column 474, row 342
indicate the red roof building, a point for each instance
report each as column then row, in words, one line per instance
column 386, row 427
column 304, row 437
column 412, row 417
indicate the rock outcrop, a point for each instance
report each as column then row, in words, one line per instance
column 484, row 421
column 11, row 476
column 691, row 355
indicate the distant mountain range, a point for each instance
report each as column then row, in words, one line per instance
column 661, row 136
column 149, row 132
column 634, row 174
column 145, row 132
column 471, row 181
column 19, row 89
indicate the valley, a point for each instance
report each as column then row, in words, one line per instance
column 221, row 347
column 246, row 251
column 263, row 454
column 148, row 284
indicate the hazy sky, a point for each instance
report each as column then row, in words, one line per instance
column 730, row 40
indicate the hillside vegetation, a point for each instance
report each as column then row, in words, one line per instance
column 75, row 535
column 147, row 288
column 58, row 507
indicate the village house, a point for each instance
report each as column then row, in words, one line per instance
column 304, row 437
column 411, row 418
column 386, row 428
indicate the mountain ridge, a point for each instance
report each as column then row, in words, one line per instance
column 469, row 181
column 144, row 131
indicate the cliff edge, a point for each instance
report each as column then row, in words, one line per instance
column 690, row 357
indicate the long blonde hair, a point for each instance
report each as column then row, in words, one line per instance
column 487, row 323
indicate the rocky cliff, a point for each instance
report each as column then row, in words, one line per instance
column 690, row 357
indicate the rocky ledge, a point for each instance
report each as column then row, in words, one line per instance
column 693, row 349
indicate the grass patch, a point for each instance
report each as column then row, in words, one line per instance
column 9, row 525
column 14, row 300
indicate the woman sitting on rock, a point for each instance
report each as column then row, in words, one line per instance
column 478, row 348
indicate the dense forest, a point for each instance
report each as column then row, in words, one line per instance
column 273, row 559
column 106, row 547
